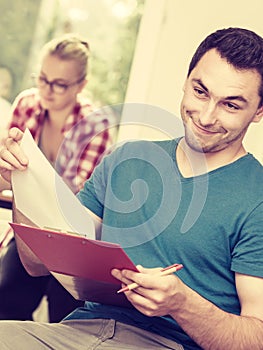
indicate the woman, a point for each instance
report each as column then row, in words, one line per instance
column 73, row 138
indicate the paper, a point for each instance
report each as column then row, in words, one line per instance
column 42, row 195
column 83, row 266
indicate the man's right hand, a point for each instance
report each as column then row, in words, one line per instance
column 11, row 155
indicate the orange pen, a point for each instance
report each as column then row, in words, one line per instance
column 164, row 272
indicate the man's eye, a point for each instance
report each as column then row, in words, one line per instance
column 232, row 106
column 199, row 92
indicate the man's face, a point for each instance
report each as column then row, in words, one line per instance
column 61, row 72
column 219, row 103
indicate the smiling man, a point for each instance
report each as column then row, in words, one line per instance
column 215, row 301
column 218, row 105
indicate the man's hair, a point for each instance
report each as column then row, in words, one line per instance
column 69, row 47
column 242, row 48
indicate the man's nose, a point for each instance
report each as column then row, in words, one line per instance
column 208, row 114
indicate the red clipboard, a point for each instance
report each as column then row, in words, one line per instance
column 80, row 264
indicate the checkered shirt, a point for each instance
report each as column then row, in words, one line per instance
column 88, row 134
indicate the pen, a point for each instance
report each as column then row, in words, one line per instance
column 164, row 272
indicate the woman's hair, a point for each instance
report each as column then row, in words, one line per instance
column 242, row 48
column 70, row 47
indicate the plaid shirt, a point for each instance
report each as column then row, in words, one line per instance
column 87, row 135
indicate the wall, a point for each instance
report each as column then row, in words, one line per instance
column 170, row 32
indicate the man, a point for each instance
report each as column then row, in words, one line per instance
column 202, row 207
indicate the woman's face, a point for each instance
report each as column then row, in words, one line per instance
column 59, row 82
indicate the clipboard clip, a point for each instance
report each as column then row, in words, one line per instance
column 59, row 230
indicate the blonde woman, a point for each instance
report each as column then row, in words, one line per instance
column 73, row 138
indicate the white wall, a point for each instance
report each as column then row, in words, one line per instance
column 169, row 34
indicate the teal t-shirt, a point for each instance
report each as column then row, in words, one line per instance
column 211, row 223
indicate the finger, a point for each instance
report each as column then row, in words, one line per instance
column 15, row 134
column 118, row 274
column 13, row 147
column 12, row 143
column 4, row 165
column 139, row 268
column 140, row 299
column 14, row 159
column 143, row 276
column 148, row 270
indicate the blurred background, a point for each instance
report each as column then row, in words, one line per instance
column 110, row 26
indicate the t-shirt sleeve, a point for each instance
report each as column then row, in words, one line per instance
column 247, row 257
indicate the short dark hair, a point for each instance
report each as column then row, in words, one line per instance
column 242, row 48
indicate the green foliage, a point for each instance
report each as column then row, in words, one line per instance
column 28, row 24
column 18, row 18
column 109, row 77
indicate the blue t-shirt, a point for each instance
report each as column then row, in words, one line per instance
column 211, row 223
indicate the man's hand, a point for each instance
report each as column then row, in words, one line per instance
column 156, row 295
column 168, row 295
column 11, row 155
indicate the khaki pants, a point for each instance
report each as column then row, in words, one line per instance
column 79, row 334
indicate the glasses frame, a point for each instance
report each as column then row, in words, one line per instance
column 57, row 88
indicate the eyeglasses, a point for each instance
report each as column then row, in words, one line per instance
column 55, row 86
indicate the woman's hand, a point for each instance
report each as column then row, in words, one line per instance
column 11, row 155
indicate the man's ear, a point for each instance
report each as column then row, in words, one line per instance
column 259, row 115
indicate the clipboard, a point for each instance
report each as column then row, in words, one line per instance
column 80, row 264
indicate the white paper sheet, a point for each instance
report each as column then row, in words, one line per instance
column 42, row 196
